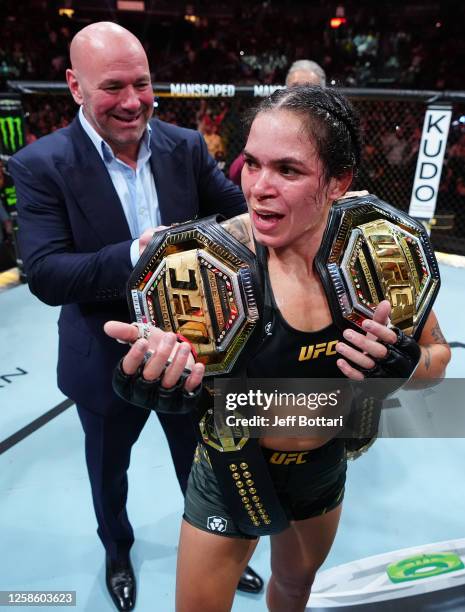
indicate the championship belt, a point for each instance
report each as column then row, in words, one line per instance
column 370, row 252
column 197, row 280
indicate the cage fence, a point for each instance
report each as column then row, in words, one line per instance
column 391, row 123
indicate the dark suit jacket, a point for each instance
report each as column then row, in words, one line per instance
column 75, row 241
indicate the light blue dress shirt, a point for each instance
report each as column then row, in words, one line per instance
column 135, row 188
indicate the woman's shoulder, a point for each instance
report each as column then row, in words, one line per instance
column 240, row 228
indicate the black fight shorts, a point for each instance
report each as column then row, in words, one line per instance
column 308, row 484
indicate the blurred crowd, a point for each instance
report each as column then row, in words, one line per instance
column 257, row 45
column 255, row 42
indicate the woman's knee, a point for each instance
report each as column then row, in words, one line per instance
column 200, row 601
column 295, row 585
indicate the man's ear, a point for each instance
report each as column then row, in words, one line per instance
column 74, row 86
column 338, row 186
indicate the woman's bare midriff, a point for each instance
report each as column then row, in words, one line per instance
column 292, row 444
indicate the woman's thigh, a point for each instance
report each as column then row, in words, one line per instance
column 209, row 568
column 298, row 552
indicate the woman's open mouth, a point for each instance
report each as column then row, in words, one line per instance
column 265, row 221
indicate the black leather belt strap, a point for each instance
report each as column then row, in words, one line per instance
column 247, row 488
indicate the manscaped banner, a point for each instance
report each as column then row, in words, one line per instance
column 204, row 90
column 215, row 90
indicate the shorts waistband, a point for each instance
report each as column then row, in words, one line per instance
column 299, row 457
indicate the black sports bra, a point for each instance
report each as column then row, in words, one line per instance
column 286, row 352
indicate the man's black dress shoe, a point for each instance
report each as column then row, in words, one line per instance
column 121, row 582
column 250, row 581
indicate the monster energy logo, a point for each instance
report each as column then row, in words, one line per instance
column 10, row 196
column 12, row 133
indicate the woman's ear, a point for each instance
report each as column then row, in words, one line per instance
column 338, row 186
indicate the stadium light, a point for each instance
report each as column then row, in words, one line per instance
column 66, row 12
column 340, row 18
column 336, row 22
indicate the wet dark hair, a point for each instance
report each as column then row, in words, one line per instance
column 330, row 120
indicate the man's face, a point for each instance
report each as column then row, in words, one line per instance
column 116, row 93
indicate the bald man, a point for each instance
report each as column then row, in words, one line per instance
column 305, row 72
column 89, row 198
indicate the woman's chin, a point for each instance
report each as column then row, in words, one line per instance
column 271, row 242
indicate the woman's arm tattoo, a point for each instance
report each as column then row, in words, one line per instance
column 438, row 335
column 427, row 354
column 239, row 227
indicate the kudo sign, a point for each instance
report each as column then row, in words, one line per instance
column 430, row 159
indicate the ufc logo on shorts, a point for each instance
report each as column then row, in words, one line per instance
column 217, row 523
column 287, row 458
column 313, row 351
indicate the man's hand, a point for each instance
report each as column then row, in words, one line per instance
column 147, row 236
column 160, row 347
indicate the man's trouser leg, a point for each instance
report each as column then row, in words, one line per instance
column 180, row 433
column 108, row 443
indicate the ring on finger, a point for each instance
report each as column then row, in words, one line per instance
column 143, row 330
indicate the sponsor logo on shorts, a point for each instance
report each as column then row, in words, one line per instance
column 217, row 523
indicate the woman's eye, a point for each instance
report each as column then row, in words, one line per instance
column 250, row 163
column 288, row 171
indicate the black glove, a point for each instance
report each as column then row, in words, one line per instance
column 400, row 361
column 151, row 395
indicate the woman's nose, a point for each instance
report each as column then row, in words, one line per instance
column 263, row 184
